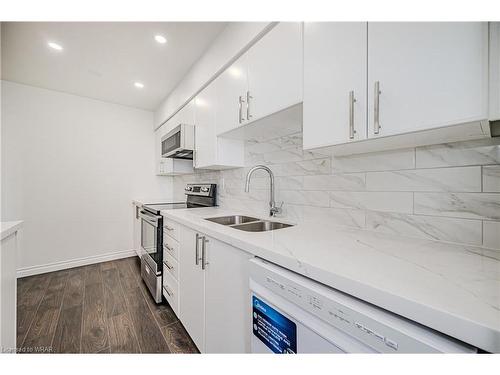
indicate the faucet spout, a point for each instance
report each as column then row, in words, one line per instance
column 273, row 209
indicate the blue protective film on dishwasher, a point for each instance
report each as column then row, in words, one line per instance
column 274, row 329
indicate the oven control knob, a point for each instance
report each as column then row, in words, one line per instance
column 205, row 189
column 188, row 188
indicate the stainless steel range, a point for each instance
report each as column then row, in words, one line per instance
column 197, row 195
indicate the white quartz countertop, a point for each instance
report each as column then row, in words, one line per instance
column 451, row 288
column 9, row 227
column 141, row 201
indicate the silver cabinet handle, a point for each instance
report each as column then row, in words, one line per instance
column 249, row 116
column 204, row 253
column 168, row 292
column 376, row 108
column 168, row 265
column 168, row 228
column 167, row 247
column 241, row 100
column 352, row 100
column 197, row 252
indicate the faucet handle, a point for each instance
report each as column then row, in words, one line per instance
column 275, row 210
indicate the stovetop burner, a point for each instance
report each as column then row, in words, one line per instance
column 157, row 207
column 197, row 195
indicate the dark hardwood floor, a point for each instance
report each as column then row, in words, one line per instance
column 100, row 308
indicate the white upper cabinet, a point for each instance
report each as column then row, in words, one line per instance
column 232, row 86
column 494, row 78
column 212, row 152
column 334, row 83
column 428, row 75
column 265, row 80
column 186, row 115
column 412, row 81
column 274, row 71
column 205, row 133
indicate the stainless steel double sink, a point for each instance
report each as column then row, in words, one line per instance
column 248, row 223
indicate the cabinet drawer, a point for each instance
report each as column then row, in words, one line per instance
column 171, row 290
column 171, row 228
column 170, row 246
column 171, row 265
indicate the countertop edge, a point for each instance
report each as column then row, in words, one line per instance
column 10, row 227
column 470, row 332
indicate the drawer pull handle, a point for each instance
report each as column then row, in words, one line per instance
column 168, row 292
column 168, row 265
column 168, row 228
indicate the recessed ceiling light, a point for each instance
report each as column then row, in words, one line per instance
column 234, row 71
column 55, row 46
column 139, row 85
column 160, row 39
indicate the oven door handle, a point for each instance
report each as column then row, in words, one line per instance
column 150, row 219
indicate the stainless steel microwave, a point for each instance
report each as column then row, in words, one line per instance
column 178, row 143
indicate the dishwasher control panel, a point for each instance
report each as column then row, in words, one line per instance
column 378, row 328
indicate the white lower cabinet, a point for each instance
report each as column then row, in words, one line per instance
column 171, row 264
column 170, row 288
column 191, row 287
column 214, row 293
column 227, row 296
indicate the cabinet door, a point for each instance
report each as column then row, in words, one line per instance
column 213, row 152
column 227, row 299
column 191, row 288
column 157, row 139
column 205, row 137
column 232, row 84
column 430, row 74
column 187, row 114
column 334, row 69
column 275, row 71
column 494, row 71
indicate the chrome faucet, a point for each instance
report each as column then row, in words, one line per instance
column 273, row 209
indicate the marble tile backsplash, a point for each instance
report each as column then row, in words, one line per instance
column 447, row 192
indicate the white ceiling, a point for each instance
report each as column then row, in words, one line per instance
column 102, row 60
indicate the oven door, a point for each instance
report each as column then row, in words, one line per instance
column 151, row 240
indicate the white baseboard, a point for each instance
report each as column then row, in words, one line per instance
column 56, row 266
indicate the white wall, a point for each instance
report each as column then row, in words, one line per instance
column 236, row 38
column 70, row 168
